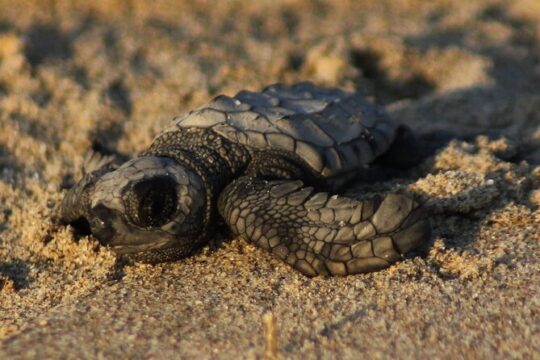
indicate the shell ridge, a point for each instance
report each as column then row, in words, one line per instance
column 332, row 130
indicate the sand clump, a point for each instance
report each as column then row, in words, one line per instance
column 110, row 75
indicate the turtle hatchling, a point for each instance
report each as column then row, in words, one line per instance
column 268, row 164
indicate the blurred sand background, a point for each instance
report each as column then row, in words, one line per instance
column 77, row 75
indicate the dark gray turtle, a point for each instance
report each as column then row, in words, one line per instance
column 260, row 160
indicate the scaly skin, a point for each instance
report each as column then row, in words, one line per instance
column 315, row 233
column 320, row 235
column 261, row 162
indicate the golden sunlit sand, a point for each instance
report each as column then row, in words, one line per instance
column 110, row 75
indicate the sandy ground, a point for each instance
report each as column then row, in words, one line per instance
column 75, row 76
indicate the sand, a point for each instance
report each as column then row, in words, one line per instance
column 76, row 76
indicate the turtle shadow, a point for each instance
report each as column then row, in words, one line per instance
column 454, row 218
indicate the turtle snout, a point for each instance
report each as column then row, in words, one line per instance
column 100, row 221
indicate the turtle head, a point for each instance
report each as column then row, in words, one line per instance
column 149, row 207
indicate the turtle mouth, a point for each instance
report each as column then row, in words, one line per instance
column 110, row 229
column 75, row 210
column 100, row 223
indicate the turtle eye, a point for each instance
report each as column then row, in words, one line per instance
column 152, row 202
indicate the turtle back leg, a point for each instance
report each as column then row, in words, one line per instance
column 319, row 234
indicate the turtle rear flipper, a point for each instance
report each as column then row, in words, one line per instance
column 319, row 234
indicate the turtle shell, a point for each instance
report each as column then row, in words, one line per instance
column 331, row 130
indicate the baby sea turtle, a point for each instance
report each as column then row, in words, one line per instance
column 260, row 160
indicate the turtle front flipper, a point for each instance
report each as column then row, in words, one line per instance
column 319, row 234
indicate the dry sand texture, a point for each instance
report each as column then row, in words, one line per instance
column 75, row 76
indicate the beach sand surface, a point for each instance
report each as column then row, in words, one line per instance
column 76, row 76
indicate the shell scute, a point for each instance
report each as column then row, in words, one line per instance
column 331, row 130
